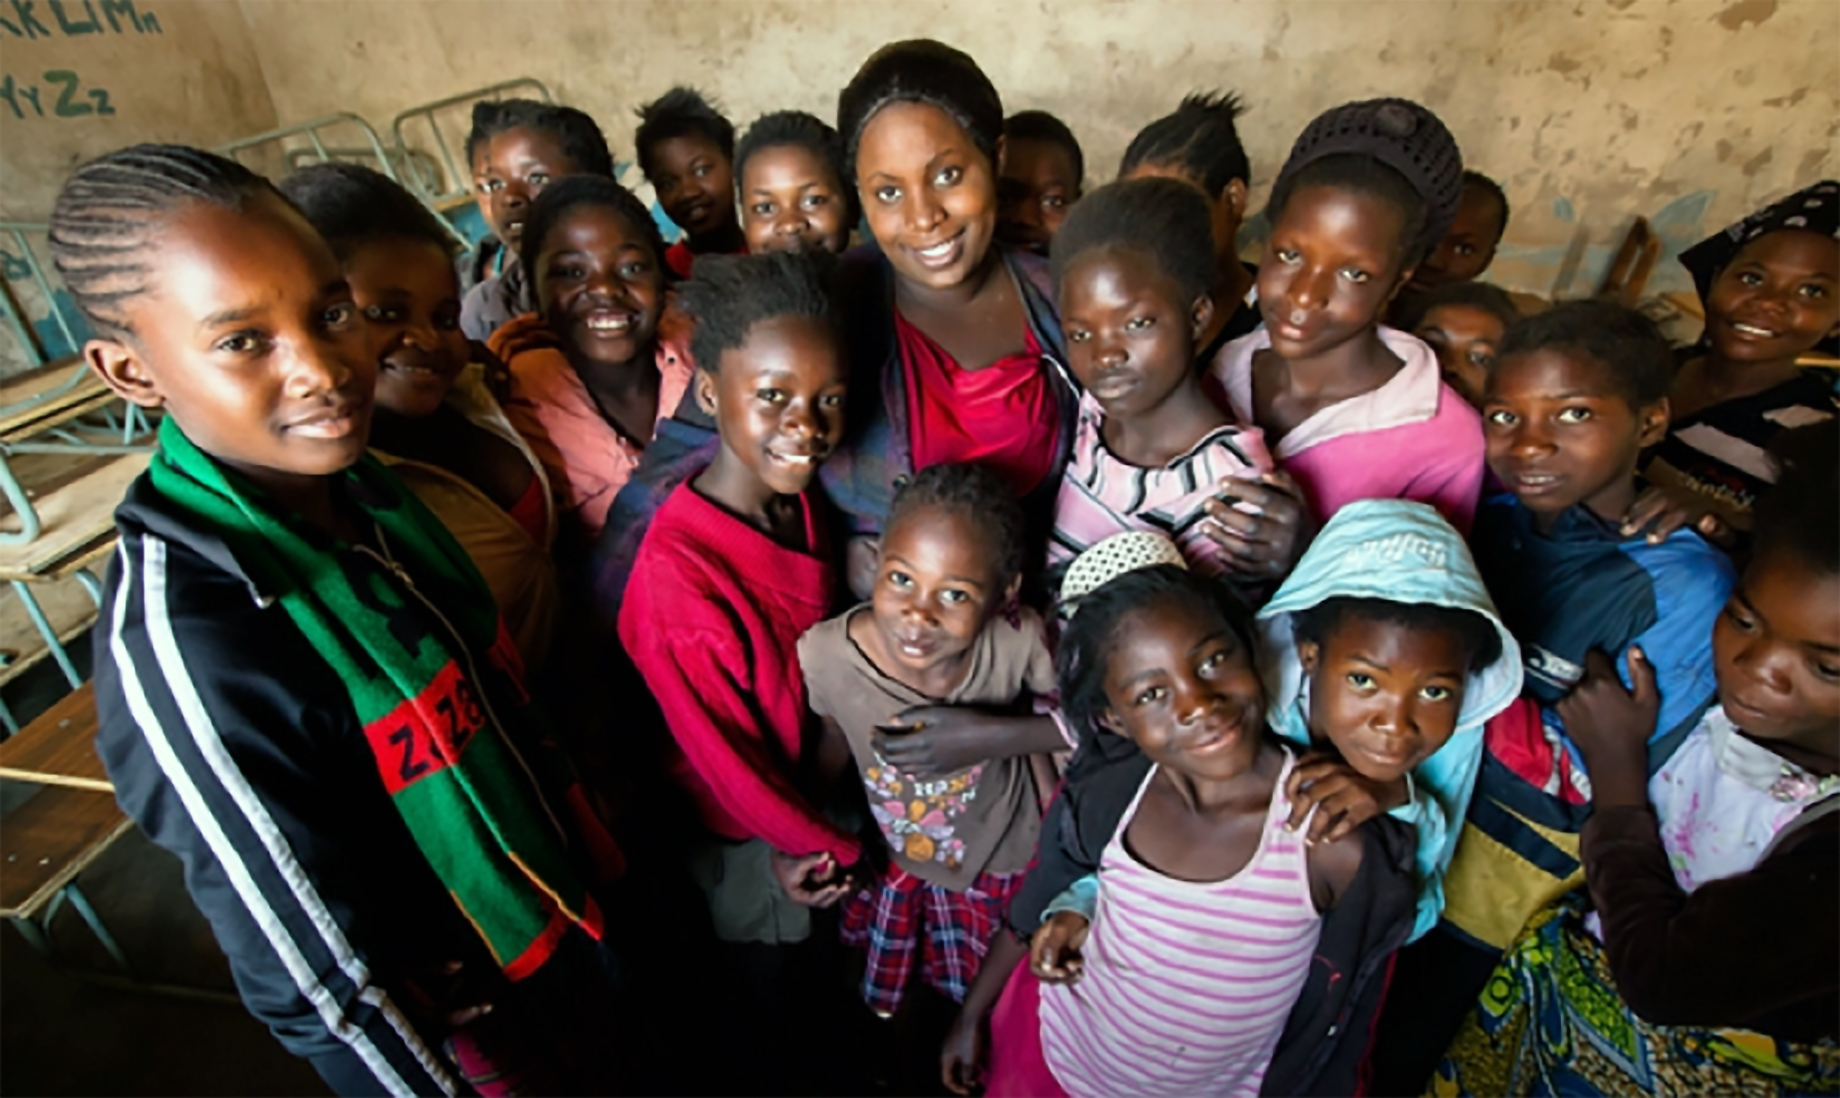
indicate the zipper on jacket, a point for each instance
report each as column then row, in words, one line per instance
column 472, row 669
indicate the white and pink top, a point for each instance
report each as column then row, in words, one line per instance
column 1187, row 984
column 1412, row 438
column 1102, row 495
column 1721, row 800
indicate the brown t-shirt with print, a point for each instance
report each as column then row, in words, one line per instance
column 984, row 818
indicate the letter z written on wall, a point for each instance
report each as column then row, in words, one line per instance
column 64, row 93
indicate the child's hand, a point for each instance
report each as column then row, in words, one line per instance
column 1611, row 727
column 961, row 1058
column 1344, row 798
column 1054, row 952
column 931, row 741
column 1260, row 525
column 446, row 996
column 814, row 880
column 497, row 376
column 861, row 560
column 1661, row 511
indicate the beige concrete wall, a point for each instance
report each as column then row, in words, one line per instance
column 81, row 77
column 1689, row 111
column 137, row 70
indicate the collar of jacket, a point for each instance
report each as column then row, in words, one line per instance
column 143, row 508
column 1576, row 523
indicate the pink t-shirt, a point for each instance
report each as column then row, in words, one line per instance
column 1412, row 438
column 587, row 459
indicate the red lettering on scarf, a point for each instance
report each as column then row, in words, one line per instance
column 426, row 734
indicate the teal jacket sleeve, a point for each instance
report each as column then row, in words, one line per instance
column 1441, row 788
column 1082, row 896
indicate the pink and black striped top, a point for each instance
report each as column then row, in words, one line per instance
column 1101, row 495
column 1187, row 984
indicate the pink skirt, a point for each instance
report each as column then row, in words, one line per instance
column 1017, row 1067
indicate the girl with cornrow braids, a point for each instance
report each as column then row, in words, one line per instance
column 304, row 688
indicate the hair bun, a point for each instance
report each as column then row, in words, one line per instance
column 1112, row 558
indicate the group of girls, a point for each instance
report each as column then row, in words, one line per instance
column 1091, row 645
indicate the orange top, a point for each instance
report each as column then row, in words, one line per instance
column 588, row 460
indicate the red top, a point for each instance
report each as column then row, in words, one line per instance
column 1004, row 415
column 531, row 511
column 712, row 619
column 681, row 259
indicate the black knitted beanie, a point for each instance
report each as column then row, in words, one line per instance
column 1400, row 134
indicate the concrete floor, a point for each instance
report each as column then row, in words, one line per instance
column 65, row 1034
column 63, row 1031
column 72, row 1027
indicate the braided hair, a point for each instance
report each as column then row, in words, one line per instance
column 109, row 212
column 1200, row 138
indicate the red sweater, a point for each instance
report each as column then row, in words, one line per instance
column 712, row 618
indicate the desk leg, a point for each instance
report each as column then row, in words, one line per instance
column 88, row 914
column 22, row 506
column 45, row 630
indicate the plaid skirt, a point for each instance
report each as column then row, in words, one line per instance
column 903, row 916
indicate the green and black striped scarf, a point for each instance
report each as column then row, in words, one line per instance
column 442, row 745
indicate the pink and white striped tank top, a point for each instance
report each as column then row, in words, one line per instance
column 1188, row 984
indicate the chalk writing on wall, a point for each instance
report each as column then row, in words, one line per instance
column 60, row 93
column 73, row 18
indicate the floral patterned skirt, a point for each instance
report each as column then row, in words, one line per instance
column 1551, row 1022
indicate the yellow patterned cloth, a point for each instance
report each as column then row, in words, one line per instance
column 1550, row 1022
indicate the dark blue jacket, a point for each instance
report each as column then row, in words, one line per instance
column 1584, row 586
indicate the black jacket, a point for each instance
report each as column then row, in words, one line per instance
column 1323, row 1049
column 233, row 744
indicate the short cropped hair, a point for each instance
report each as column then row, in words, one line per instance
column 1480, row 639
column 571, row 191
column 1633, row 353
column 980, row 495
column 1800, row 513
column 729, row 294
column 576, row 134
column 1493, row 189
column 1165, row 220
column 1044, row 127
column 797, row 129
column 1482, row 296
column 351, row 205
column 681, row 112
